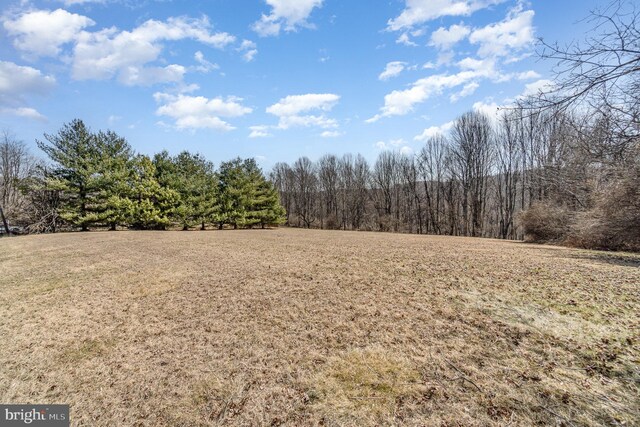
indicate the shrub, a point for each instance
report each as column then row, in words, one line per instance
column 546, row 222
column 614, row 222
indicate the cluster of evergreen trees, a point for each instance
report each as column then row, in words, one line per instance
column 101, row 182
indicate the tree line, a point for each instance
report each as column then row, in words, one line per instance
column 561, row 165
column 542, row 174
column 96, row 180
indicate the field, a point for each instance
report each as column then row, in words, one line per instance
column 297, row 327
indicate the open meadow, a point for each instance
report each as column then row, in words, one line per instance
column 300, row 327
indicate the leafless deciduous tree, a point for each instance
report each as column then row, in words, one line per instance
column 16, row 166
column 471, row 152
column 305, row 192
column 602, row 71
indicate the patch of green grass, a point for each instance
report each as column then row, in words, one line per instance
column 363, row 384
column 87, row 349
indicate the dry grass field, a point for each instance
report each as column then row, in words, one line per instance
column 297, row 327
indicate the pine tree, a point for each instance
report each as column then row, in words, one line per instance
column 115, row 170
column 193, row 178
column 263, row 203
column 152, row 205
column 266, row 208
column 75, row 172
column 232, row 202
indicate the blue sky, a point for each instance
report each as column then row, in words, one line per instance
column 271, row 79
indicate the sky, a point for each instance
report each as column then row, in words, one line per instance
column 271, row 79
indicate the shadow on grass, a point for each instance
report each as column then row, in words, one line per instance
column 623, row 259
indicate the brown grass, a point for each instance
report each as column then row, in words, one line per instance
column 295, row 327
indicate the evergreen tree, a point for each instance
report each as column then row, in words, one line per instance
column 266, row 208
column 232, row 201
column 197, row 185
column 75, row 172
column 193, row 178
column 245, row 197
column 263, row 203
column 152, row 205
column 115, row 170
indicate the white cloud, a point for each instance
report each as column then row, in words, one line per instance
column 395, row 144
column 537, row 87
column 491, row 109
column 392, row 70
column 419, row 11
column 198, row 112
column 527, row 75
column 290, row 110
column 486, row 65
column 295, row 104
column 259, row 131
column 330, row 134
column 467, row 90
column 401, row 102
column 42, row 32
column 249, row 50
column 321, row 121
column 16, row 81
column 406, row 150
column 443, row 38
column 74, row 2
column 434, row 131
column 507, row 36
column 405, row 40
column 285, row 14
column 204, row 65
column 125, row 54
column 25, row 112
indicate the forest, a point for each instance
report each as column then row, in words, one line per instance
column 552, row 175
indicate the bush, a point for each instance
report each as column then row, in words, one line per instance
column 614, row 222
column 546, row 222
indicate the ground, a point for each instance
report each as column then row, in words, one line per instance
column 298, row 327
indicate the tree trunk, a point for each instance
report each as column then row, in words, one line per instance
column 4, row 222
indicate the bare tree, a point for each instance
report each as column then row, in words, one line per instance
column 510, row 163
column 472, row 154
column 412, row 193
column 282, row 178
column 386, row 180
column 328, row 180
column 305, row 191
column 431, row 162
column 603, row 71
column 16, row 166
column 359, row 191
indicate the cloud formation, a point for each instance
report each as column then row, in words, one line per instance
column 392, row 69
column 417, row 12
column 285, row 14
column 42, row 32
column 291, row 110
column 198, row 112
column 132, row 57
